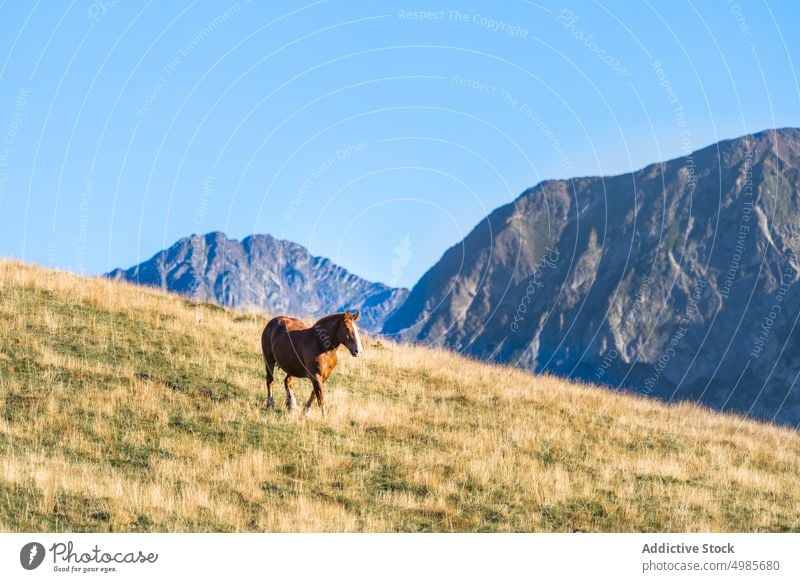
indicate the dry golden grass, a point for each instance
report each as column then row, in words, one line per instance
column 126, row 409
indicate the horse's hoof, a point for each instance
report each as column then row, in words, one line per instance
column 270, row 402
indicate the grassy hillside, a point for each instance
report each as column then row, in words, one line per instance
column 125, row 409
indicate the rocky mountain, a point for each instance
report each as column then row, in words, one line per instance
column 679, row 280
column 263, row 272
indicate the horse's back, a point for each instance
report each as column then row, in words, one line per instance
column 284, row 322
column 277, row 344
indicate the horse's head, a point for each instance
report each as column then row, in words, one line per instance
column 348, row 333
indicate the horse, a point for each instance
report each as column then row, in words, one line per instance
column 307, row 352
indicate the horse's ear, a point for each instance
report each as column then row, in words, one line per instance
column 356, row 314
column 347, row 314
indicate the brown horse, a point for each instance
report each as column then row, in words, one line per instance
column 307, row 352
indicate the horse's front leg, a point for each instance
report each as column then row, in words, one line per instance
column 316, row 382
column 321, row 399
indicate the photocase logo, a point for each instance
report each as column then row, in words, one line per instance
column 31, row 555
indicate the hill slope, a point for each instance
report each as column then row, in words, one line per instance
column 680, row 280
column 261, row 271
column 126, row 409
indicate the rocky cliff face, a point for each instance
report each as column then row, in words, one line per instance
column 263, row 272
column 678, row 281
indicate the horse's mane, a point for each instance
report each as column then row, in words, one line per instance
column 329, row 318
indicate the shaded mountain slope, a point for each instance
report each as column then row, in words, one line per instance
column 679, row 280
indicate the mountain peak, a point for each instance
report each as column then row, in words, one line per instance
column 278, row 276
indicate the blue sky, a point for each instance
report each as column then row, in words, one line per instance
column 374, row 133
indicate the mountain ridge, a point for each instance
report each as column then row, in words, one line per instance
column 264, row 272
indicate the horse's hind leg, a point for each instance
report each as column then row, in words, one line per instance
column 270, row 364
column 269, row 361
column 291, row 403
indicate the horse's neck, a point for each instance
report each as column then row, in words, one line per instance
column 327, row 338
